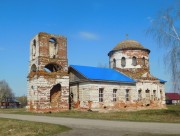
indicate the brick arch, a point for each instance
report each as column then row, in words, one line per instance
column 52, row 67
column 33, row 68
column 34, row 48
column 53, row 40
column 55, row 95
column 53, row 47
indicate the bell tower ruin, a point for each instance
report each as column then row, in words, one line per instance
column 48, row 80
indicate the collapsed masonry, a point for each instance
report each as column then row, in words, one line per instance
column 48, row 80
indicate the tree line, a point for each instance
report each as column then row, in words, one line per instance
column 7, row 94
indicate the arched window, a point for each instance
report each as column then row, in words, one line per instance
column 143, row 61
column 134, row 61
column 161, row 95
column 52, row 67
column 52, row 40
column 123, row 61
column 52, row 48
column 34, row 48
column 139, row 94
column 114, row 63
column 147, row 94
column 33, row 68
column 154, row 95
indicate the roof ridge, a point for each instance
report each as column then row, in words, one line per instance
column 104, row 74
column 91, row 66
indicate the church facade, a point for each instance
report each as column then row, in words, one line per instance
column 126, row 84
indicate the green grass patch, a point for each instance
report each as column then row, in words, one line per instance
column 170, row 115
column 11, row 127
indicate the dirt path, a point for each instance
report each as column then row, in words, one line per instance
column 90, row 127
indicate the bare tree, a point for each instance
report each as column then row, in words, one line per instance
column 22, row 100
column 5, row 91
column 165, row 29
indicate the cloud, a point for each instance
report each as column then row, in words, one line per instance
column 150, row 19
column 88, row 36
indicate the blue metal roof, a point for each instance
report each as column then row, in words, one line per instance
column 106, row 74
column 162, row 81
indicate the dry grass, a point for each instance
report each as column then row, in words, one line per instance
column 170, row 115
column 10, row 127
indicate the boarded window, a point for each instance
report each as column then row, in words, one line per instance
column 114, row 95
column 101, row 94
column 127, row 95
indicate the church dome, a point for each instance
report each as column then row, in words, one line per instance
column 129, row 45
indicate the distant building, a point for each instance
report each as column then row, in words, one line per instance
column 126, row 84
column 10, row 103
column 172, row 98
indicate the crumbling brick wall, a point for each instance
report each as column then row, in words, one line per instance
column 86, row 96
column 48, row 79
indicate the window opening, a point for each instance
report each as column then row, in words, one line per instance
column 52, row 68
column 34, row 48
column 101, row 94
column 123, row 61
column 154, row 95
column 143, row 61
column 134, row 61
column 33, row 68
column 114, row 95
column 147, row 94
column 161, row 95
column 140, row 94
column 114, row 63
column 127, row 95
column 52, row 48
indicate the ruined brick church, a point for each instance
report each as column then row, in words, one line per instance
column 126, row 84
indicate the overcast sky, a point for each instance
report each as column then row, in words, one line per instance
column 92, row 28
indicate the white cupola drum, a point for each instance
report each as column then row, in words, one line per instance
column 129, row 54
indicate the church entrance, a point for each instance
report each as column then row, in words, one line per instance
column 55, row 95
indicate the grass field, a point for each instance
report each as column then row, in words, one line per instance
column 10, row 127
column 170, row 115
